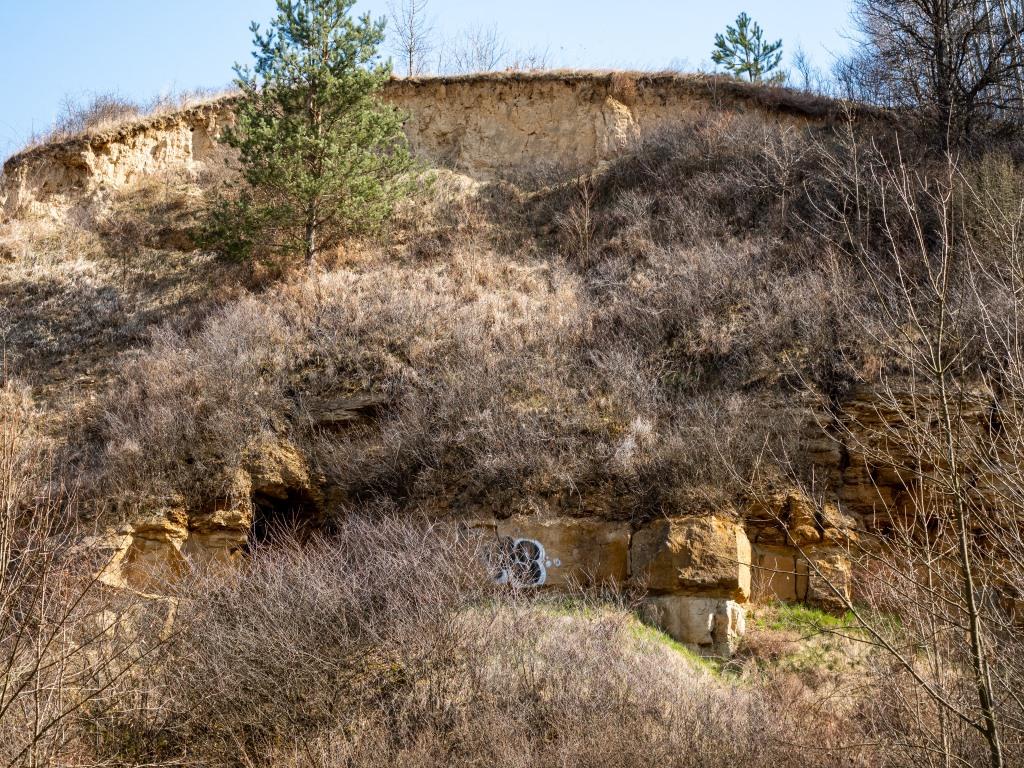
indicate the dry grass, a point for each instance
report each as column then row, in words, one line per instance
column 78, row 289
column 382, row 646
column 102, row 114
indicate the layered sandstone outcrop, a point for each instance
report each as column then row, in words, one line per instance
column 698, row 570
column 481, row 125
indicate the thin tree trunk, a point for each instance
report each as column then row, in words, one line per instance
column 979, row 664
column 311, row 234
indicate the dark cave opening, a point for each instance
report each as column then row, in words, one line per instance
column 289, row 513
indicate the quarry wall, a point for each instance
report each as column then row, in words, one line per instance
column 699, row 569
column 479, row 125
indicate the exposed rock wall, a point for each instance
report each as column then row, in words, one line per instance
column 77, row 170
column 482, row 126
column 699, row 570
column 696, row 569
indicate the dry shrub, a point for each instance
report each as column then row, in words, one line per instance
column 185, row 410
column 67, row 646
column 479, row 359
column 483, row 365
column 501, row 381
column 631, row 334
column 98, row 111
column 94, row 113
column 447, row 214
column 158, row 212
column 504, row 377
column 24, row 456
column 707, row 246
column 903, row 716
column 385, row 645
column 717, row 177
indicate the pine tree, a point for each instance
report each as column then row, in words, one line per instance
column 742, row 50
column 321, row 156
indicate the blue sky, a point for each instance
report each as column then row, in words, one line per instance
column 140, row 48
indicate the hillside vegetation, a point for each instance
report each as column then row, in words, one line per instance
column 623, row 333
column 660, row 334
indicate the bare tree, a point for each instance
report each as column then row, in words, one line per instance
column 938, row 563
column 477, row 49
column 957, row 61
column 531, row 60
column 810, row 77
column 413, row 29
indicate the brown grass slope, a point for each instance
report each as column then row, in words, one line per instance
column 624, row 343
column 615, row 344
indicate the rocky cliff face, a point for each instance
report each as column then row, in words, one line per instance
column 699, row 568
column 483, row 126
column 76, row 170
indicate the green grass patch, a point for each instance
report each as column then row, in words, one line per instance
column 796, row 617
column 645, row 633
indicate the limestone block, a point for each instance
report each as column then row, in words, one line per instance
column 233, row 518
column 788, row 518
column 616, row 130
column 778, row 574
column 564, row 551
column 158, row 548
column 146, row 554
column 277, row 468
column 862, row 491
column 829, row 566
column 151, row 563
column 823, row 452
column 707, row 556
column 839, row 527
column 714, row 625
column 221, row 551
column 802, row 519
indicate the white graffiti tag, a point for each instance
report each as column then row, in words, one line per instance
column 520, row 562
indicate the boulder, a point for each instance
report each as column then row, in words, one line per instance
column 791, row 518
column 698, row 555
column 708, row 624
column 277, row 469
column 830, row 571
column 803, row 522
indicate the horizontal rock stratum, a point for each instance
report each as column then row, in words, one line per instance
column 479, row 125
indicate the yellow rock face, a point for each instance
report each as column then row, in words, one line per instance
column 569, row 551
column 480, row 126
column 154, row 552
column 778, row 574
column 829, row 579
column 707, row 556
